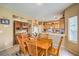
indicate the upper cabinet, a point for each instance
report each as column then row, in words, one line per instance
column 17, row 25
column 35, row 22
column 21, row 25
column 25, row 25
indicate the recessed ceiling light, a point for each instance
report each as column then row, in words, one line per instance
column 55, row 17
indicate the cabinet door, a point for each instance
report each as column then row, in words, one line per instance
column 17, row 25
column 25, row 25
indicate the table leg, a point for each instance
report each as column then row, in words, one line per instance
column 46, row 52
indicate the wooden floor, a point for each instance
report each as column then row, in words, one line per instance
column 13, row 51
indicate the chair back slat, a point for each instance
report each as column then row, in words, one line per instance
column 32, row 50
column 59, row 45
column 22, row 45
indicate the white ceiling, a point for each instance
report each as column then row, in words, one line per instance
column 45, row 11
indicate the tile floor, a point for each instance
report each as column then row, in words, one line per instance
column 13, row 51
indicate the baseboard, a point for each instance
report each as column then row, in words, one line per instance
column 73, row 52
column 5, row 48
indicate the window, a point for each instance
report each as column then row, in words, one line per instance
column 72, row 29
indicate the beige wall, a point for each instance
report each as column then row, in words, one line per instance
column 6, row 33
column 71, row 11
column 61, row 23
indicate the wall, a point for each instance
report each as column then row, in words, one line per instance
column 6, row 32
column 61, row 23
column 71, row 11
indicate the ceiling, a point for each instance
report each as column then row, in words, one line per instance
column 41, row 11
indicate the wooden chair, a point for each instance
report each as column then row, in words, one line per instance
column 33, row 50
column 22, row 45
column 55, row 51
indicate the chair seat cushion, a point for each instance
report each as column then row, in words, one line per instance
column 52, row 51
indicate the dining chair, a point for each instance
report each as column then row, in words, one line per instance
column 33, row 50
column 22, row 45
column 55, row 51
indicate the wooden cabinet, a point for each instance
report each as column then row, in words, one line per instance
column 17, row 25
column 25, row 25
column 35, row 22
column 20, row 27
column 57, row 25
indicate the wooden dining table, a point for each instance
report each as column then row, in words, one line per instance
column 41, row 43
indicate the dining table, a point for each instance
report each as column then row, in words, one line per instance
column 41, row 43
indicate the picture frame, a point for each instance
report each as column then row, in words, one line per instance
column 4, row 21
column 0, row 21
